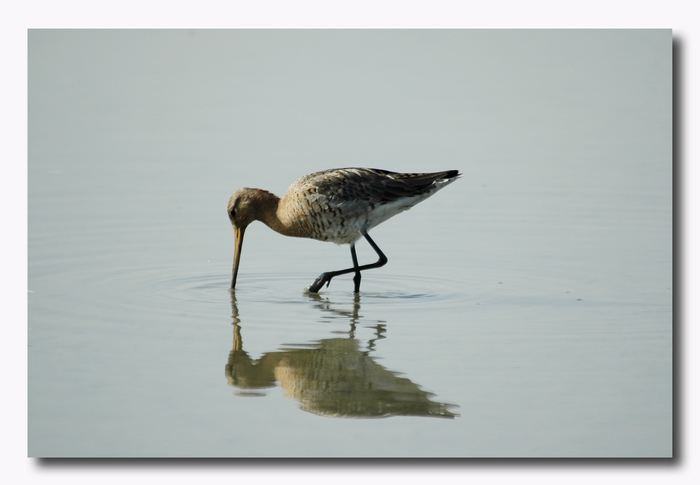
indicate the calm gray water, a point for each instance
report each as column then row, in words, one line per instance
column 525, row 310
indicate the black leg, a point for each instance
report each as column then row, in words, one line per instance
column 358, row 275
column 325, row 278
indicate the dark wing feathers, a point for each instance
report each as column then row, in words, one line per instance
column 373, row 185
column 394, row 186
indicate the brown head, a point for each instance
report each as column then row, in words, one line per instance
column 245, row 206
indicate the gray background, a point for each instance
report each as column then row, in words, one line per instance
column 534, row 293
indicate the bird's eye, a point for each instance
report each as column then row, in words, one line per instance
column 233, row 213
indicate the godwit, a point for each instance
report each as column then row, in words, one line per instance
column 338, row 205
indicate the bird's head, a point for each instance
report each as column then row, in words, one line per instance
column 245, row 206
column 241, row 212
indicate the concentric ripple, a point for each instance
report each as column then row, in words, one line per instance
column 285, row 288
column 169, row 290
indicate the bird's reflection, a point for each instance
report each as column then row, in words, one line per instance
column 353, row 316
column 331, row 377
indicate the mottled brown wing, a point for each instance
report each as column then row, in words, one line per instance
column 366, row 186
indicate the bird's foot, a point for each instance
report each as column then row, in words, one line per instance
column 356, row 280
column 318, row 284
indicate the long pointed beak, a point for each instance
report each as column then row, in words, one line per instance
column 238, row 231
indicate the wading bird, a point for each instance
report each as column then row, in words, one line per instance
column 337, row 205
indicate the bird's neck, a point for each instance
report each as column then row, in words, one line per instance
column 267, row 205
